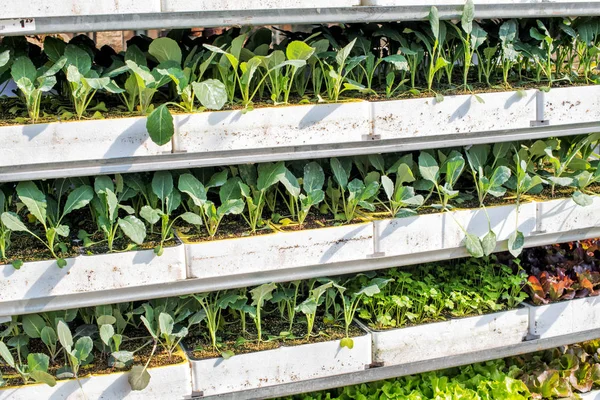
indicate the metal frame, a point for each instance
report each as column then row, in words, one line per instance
column 184, row 287
column 89, row 23
column 394, row 371
column 194, row 160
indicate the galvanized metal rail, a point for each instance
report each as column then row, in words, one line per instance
column 232, row 157
column 184, row 287
column 394, row 371
column 93, row 23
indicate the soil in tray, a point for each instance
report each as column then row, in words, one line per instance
column 117, row 110
column 234, row 340
column 236, row 226
column 99, row 366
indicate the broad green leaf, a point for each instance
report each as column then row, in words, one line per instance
column 4, row 58
column 343, row 54
column 298, row 50
column 339, row 173
column 165, row 49
column 269, row 174
column 190, row 185
column 232, row 206
column 78, row 198
column 33, row 325
column 138, row 377
column 106, row 333
column 262, row 293
column 454, row 168
column 582, row 199
column 388, row 186
column 478, row 37
column 48, row 336
column 54, row 48
column 230, row 190
column 500, row 176
column 508, row 31
column 347, row 342
column 191, row 218
column 473, row 245
column 34, row 200
column 64, row 335
column 135, row 55
column 38, row 362
column 23, row 68
column 291, row 183
column 43, row 377
column 160, row 125
column 6, row 355
column 398, row 61
column 434, row 22
column 133, row 228
column 78, row 58
column 477, row 156
column 12, row 222
column 314, row 177
column 211, row 93
column 162, row 184
column 166, row 323
column 488, row 243
column 428, row 167
column 516, row 242
column 468, row 14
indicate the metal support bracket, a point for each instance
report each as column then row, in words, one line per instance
column 540, row 104
column 531, row 337
column 371, row 138
column 5, row 318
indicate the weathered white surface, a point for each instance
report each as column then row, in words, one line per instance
column 565, row 215
column 57, row 8
column 278, row 366
column 273, row 127
column 76, row 141
column 279, row 250
column 440, row 231
column 448, row 338
column 593, row 395
column 456, row 114
column 457, row 2
column 171, row 382
column 565, row 317
column 90, row 273
column 572, row 105
column 208, row 5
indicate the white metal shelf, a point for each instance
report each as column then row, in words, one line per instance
column 91, row 23
column 394, row 371
column 189, row 286
column 195, row 160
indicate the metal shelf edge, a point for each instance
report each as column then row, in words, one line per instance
column 194, row 160
column 167, row 20
column 190, row 286
column 394, row 371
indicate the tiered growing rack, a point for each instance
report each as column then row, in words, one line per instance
column 314, row 131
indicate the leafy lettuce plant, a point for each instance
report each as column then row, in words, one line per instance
column 205, row 211
column 84, row 81
column 170, row 199
column 360, row 193
column 47, row 213
column 309, row 306
column 488, row 179
column 256, row 182
column 33, row 82
column 312, row 182
column 106, row 206
column 33, row 367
